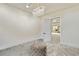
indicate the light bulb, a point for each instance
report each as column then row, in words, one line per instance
column 27, row 6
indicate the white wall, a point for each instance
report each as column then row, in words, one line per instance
column 70, row 29
column 46, row 29
column 17, row 26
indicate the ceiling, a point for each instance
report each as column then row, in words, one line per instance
column 49, row 7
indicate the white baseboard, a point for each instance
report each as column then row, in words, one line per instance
column 70, row 44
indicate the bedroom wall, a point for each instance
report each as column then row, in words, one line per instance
column 72, row 39
column 17, row 26
column 70, row 29
column 45, row 30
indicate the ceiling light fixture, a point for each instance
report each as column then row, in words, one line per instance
column 39, row 11
column 28, row 5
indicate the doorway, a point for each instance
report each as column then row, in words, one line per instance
column 55, row 30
